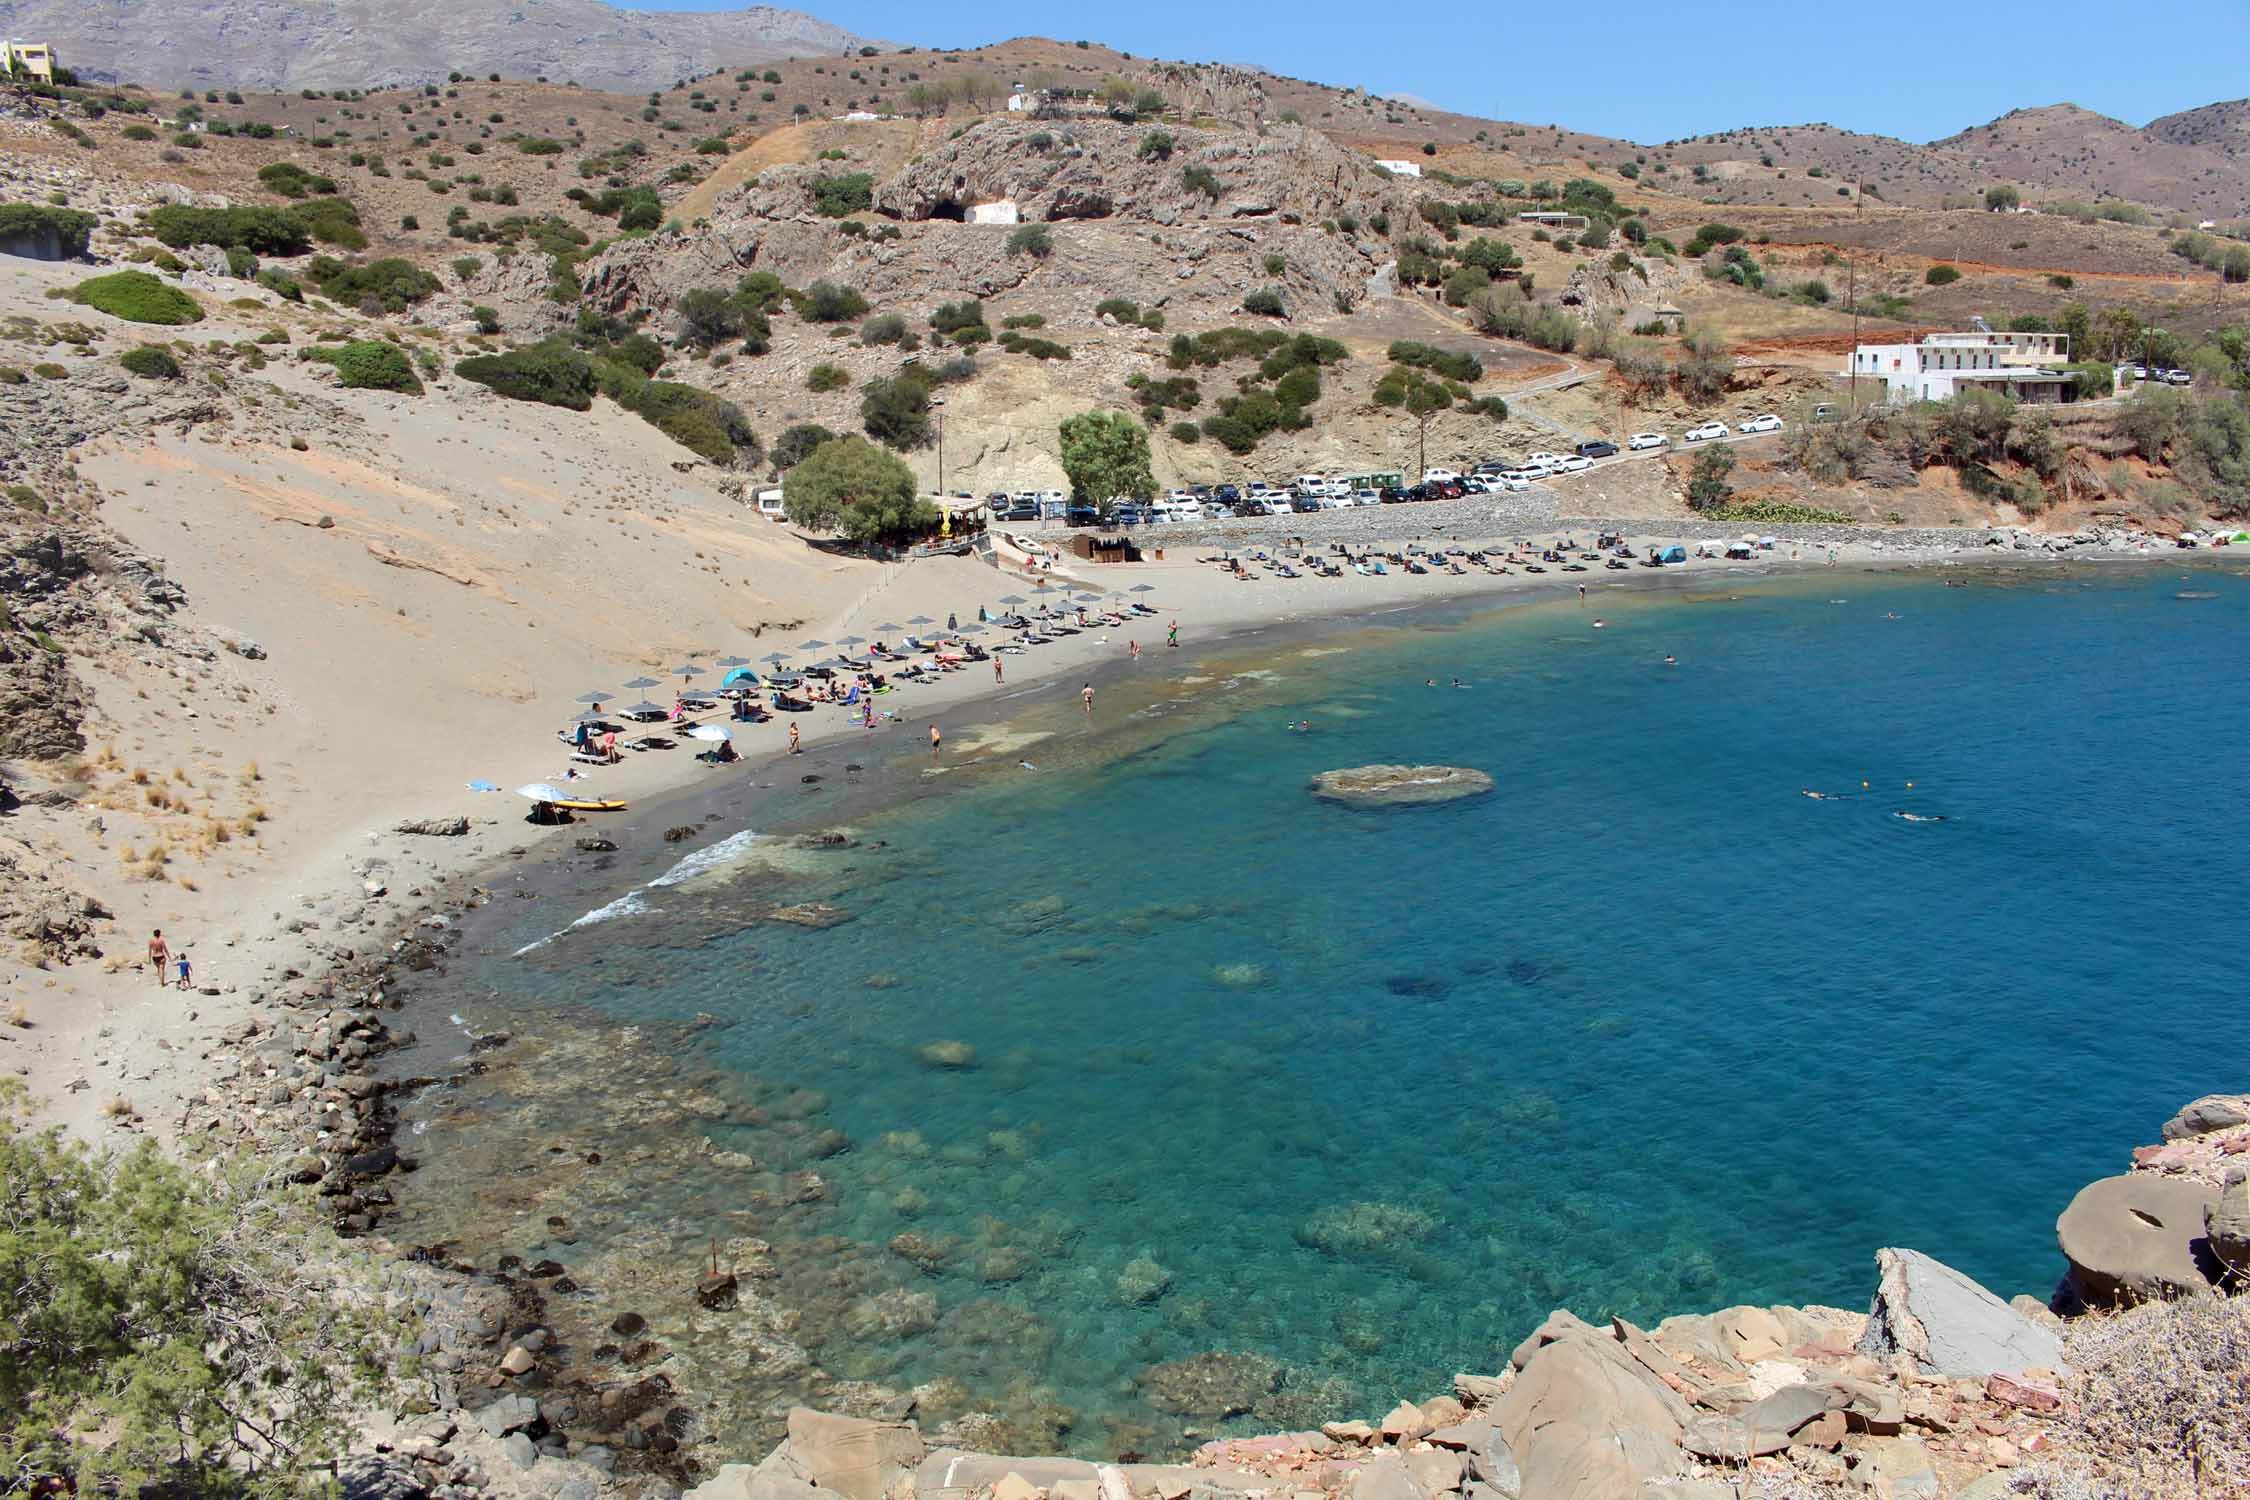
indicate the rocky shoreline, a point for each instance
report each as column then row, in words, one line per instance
column 1938, row 1390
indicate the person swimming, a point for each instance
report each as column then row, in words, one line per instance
column 1822, row 796
column 1671, row 661
column 1920, row 817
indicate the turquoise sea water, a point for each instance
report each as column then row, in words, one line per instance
column 1644, row 1031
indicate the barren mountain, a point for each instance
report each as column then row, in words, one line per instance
column 259, row 44
column 2071, row 150
column 2224, row 126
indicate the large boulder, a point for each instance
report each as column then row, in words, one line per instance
column 2209, row 1113
column 1949, row 1325
column 1584, row 1420
column 852, row 1455
column 2226, row 1224
column 2137, row 1238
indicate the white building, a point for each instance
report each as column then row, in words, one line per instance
column 1401, row 168
column 2023, row 366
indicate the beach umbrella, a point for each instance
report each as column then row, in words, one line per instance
column 596, row 696
column 972, row 628
column 1013, row 599
column 853, row 640
column 712, row 732
column 642, row 684
column 810, row 645
column 921, row 620
column 689, row 671
column 729, row 663
column 587, row 718
column 890, row 627
column 1144, row 588
column 645, row 707
column 539, row 791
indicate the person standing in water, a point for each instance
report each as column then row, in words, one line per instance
column 796, row 745
column 1086, row 694
column 1172, row 636
column 1135, row 648
column 937, row 741
column 996, row 673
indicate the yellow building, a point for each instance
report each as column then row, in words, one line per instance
column 28, row 61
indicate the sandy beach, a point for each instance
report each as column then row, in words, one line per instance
column 400, row 686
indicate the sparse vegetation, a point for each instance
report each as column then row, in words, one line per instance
column 150, row 362
column 370, row 365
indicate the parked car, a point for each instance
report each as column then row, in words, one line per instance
column 1641, row 440
column 1367, row 497
column 2176, row 377
column 1824, row 412
column 1274, row 504
column 1703, row 432
column 1226, row 494
column 1514, row 484
column 1081, row 515
column 1018, row 510
column 1576, row 463
column 1127, row 515
column 1542, row 456
column 1598, row 448
column 1763, row 422
column 1430, row 476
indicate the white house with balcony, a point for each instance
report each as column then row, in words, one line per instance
column 2022, row 366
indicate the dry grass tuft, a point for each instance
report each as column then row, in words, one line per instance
column 2162, row 1402
column 19, row 1014
column 118, row 1108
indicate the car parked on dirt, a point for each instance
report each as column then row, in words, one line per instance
column 1703, row 432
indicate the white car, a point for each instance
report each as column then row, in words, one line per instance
column 1705, row 431
column 1436, row 476
column 1537, row 468
column 1542, row 456
column 1573, row 464
column 1640, row 440
column 1335, row 502
column 1367, row 497
column 1513, row 483
column 1763, row 422
column 1275, row 503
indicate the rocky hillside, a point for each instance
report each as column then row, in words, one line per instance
column 324, row 44
column 2221, row 127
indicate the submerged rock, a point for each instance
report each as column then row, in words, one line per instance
column 1142, row 1281
column 1366, row 1228
column 1214, row 1385
column 946, row 1054
column 814, row 914
column 1400, row 786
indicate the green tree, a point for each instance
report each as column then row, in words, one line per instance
column 1707, row 481
column 2003, row 196
column 797, row 443
column 2077, row 320
column 1105, row 453
column 2116, row 334
column 164, row 1329
column 850, row 486
column 895, row 409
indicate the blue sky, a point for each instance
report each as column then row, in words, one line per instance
column 1652, row 70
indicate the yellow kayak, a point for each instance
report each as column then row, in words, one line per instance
column 588, row 805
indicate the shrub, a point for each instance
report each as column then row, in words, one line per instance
column 895, row 410
column 1201, row 179
column 487, row 318
column 72, row 230
column 292, row 181
column 883, row 328
column 1941, row 275
column 797, row 443
column 388, row 285
column 2061, row 282
column 1266, row 302
column 137, row 297
column 827, row 378
column 1453, row 366
column 1707, row 483
column 850, row 486
column 826, row 302
column 539, row 145
column 151, row 362
column 1157, row 145
column 138, row 133
column 953, row 317
column 1023, row 320
column 1033, row 240
column 369, row 365
column 549, row 374
column 834, row 197
column 47, row 369
column 332, row 221
column 265, row 231
column 705, row 424
column 281, row 284
column 1039, row 348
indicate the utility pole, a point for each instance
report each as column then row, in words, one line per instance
column 1851, row 285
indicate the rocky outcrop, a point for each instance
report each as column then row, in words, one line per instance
column 1400, row 786
column 1947, row 1324
column 2226, row 1225
column 1096, row 169
column 2137, row 1238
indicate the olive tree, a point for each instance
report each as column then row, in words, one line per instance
column 849, row 486
column 1105, row 454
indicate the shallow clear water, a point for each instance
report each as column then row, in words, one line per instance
column 1645, row 1031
